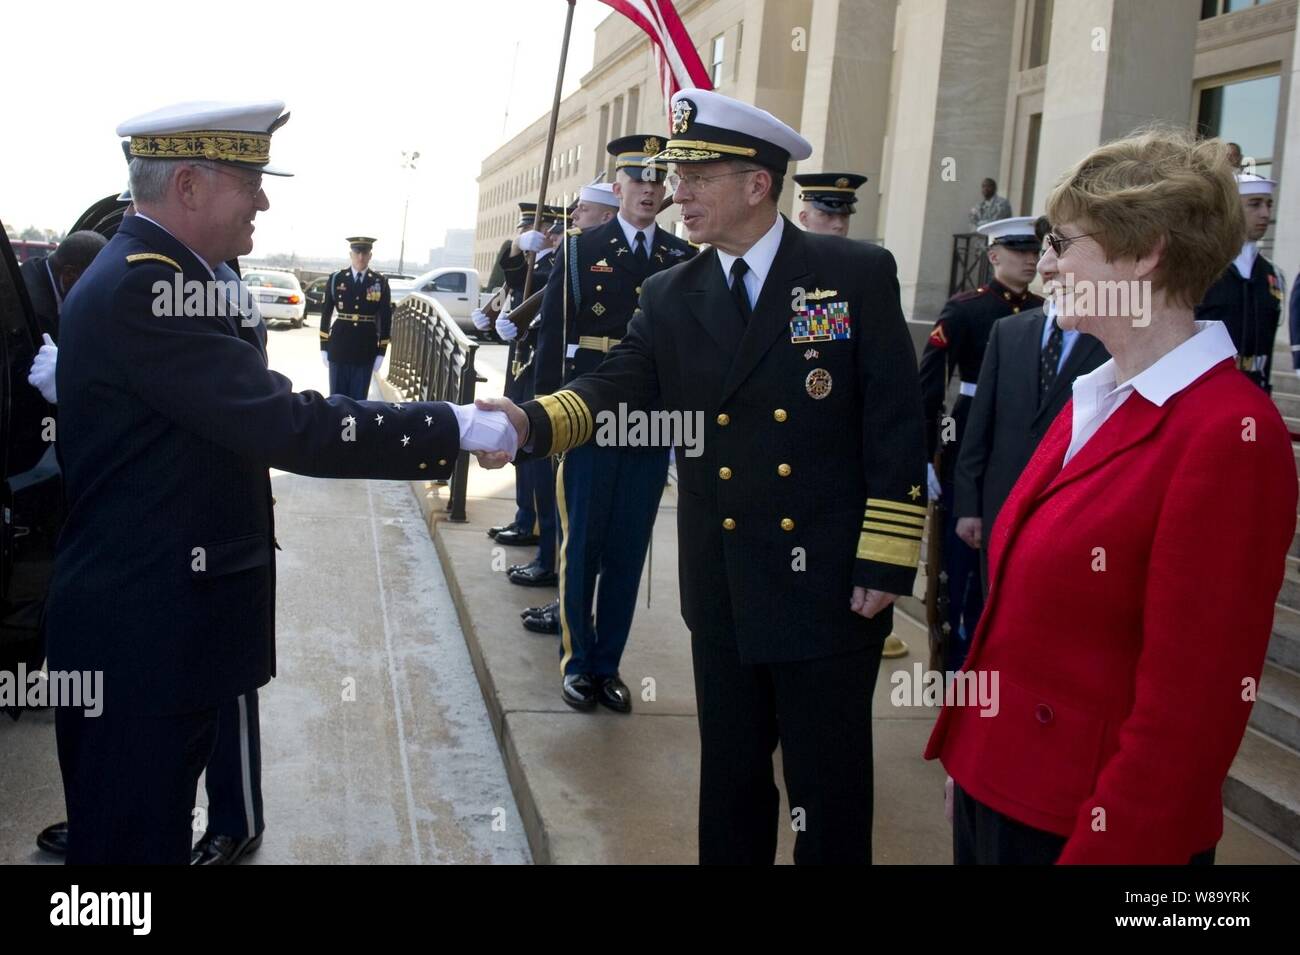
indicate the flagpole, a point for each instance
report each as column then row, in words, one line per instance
column 550, row 143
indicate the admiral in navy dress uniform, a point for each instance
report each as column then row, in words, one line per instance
column 356, row 321
column 801, row 519
column 957, row 344
column 164, row 579
column 828, row 198
column 1248, row 297
column 608, row 496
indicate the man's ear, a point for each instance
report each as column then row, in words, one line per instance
column 757, row 192
column 803, row 218
column 187, row 182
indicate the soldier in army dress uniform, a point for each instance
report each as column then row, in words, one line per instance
column 355, row 322
column 800, row 521
column 957, row 344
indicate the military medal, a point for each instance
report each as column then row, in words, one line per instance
column 818, row 383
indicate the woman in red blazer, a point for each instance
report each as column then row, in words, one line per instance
column 1135, row 565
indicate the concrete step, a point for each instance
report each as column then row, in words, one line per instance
column 1295, row 542
column 1276, row 713
column 1284, row 378
column 1288, row 404
column 1290, row 595
column 1284, row 646
column 1263, row 787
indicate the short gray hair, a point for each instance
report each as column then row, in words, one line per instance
column 149, row 177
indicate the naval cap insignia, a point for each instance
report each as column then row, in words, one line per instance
column 683, row 109
column 842, row 182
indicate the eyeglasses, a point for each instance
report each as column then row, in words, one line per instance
column 693, row 182
column 1060, row 243
column 253, row 186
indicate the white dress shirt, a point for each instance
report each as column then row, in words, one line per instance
column 758, row 257
column 1097, row 396
column 630, row 231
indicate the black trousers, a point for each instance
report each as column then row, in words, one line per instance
column 820, row 713
column 234, row 776
column 984, row 836
column 130, row 782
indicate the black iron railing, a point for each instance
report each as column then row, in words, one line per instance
column 970, row 263
column 431, row 359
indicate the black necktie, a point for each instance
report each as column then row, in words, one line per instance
column 1051, row 358
column 738, row 293
column 642, row 256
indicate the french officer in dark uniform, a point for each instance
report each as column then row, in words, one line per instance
column 957, row 344
column 164, row 578
column 356, row 319
column 608, row 496
column 1248, row 297
column 800, row 521
column 828, row 198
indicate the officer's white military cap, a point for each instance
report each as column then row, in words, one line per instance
column 708, row 127
column 232, row 132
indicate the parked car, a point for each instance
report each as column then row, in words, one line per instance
column 314, row 292
column 456, row 288
column 278, row 294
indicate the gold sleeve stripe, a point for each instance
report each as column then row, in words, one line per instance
column 895, row 506
column 324, row 335
column 916, row 521
column 153, row 257
column 908, row 532
column 577, row 410
column 570, row 419
column 889, row 550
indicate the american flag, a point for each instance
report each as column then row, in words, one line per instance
column 679, row 65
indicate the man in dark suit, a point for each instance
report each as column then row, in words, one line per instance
column 50, row 278
column 164, row 579
column 1029, row 369
column 800, row 514
column 609, row 495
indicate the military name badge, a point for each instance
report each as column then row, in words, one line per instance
column 818, row 383
column 602, row 266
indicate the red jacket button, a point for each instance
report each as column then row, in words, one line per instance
column 1043, row 713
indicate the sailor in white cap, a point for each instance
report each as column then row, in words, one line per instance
column 801, row 504
column 169, row 420
column 1248, row 298
column 597, row 204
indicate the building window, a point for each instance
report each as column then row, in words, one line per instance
column 1038, row 34
column 1243, row 112
column 1215, row 8
column 718, row 47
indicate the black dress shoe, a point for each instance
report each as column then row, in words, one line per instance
column 551, row 607
column 215, row 849
column 611, row 692
column 54, row 839
column 517, row 537
column 579, row 691
column 532, row 575
column 548, row 622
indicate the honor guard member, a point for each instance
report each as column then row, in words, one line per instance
column 168, row 426
column 828, row 200
column 355, row 322
column 800, row 519
column 1248, row 297
column 957, row 344
column 534, row 479
column 524, row 530
column 608, row 496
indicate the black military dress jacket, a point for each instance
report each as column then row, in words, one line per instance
column 812, row 476
column 595, row 285
column 356, row 318
column 164, row 575
column 519, row 358
column 1251, row 309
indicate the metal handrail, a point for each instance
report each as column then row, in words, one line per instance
column 970, row 263
column 433, row 360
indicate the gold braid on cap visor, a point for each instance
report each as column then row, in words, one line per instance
column 252, row 148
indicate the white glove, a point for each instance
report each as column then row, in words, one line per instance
column 485, row 430
column 506, row 328
column 531, row 241
column 325, row 358
column 932, row 481
column 481, row 321
column 41, row 377
column 379, row 360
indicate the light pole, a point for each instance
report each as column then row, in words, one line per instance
column 408, row 162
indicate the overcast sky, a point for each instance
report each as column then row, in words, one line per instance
column 364, row 82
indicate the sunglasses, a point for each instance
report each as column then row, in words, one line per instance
column 1060, row 243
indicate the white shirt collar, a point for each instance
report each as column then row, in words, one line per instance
column 758, row 257
column 630, row 231
column 202, row 260
column 1245, row 260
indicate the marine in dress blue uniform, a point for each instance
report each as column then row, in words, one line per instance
column 1248, row 297
column 164, row 579
column 356, row 322
column 607, row 496
column 956, row 345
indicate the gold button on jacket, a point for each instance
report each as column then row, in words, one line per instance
column 724, row 473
